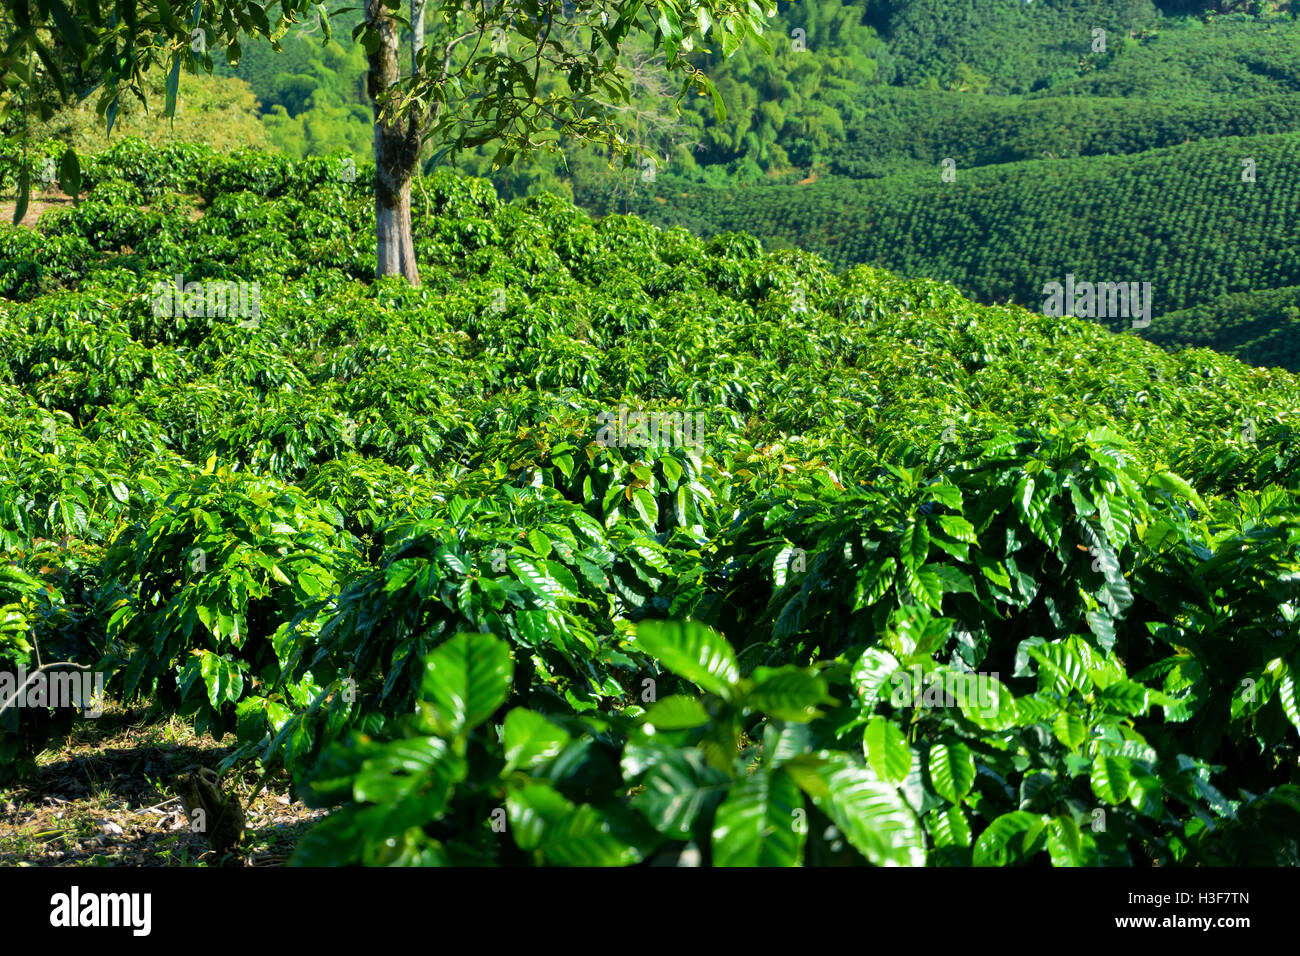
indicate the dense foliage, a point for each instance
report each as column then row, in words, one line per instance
column 903, row 130
column 934, row 583
column 1187, row 220
column 312, row 96
column 1002, row 47
column 854, row 90
column 220, row 112
column 1230, row 56
column 835, row 100
column 1262, row 328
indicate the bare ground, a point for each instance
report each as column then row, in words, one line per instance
column 103, row 797
column 39, row 203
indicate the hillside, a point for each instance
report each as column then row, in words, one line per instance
column 288, row 519
column 1260, row 327
column 907, row 130
column 1183, row 219
column 855, row 90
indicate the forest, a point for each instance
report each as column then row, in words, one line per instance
column 729, row 498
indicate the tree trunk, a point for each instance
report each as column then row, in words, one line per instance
column 397, row 152
column 417, row 33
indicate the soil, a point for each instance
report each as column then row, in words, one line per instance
column 103, row 797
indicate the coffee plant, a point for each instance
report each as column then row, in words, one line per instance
column 610, row 545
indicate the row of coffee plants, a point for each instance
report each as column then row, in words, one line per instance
column 615, row 545
column 1196, row 221
column 903, row 129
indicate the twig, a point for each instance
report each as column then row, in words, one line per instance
column 157, row 805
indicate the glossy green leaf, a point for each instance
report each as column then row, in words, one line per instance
column 1110, row 778
column 887, row 750
column 871, row 814
column 760, row 823
column 952, row 770
column 693, row 651
column 465, row 680
column 1011, row 839
column 677, row 712
column 789, row 693
column 563, row 833
column 530, row 739
column 679, row 786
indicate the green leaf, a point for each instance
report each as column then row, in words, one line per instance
column 952, row 770
column 222, row 678
column 1170, row 482
column 677, row 788
column 68, row 26
column 677, row 712
column 1070, row 729
column 544, row 822
column 874, row 581
column 790, row 693
column 871, row 814
column 946, row 494
column 925, row 585
column 760, row 823
column 530, row 739
column 1289, row 694
column 539, row 542
column 954, row 580
column 872, row 672
column 691, row 650
column 70, row 182
column 959, row 528
column 887, row 750
column 24, row 195
column 1010, row 839
column 466, row 679
column 1125, row 697
column 173, row 85
column 669, row 22
column 915, row 545
column 542, row 581
column 1111, row 781
column 646, row 507
column 991, row 707
column 405, row 767
column 1146, row 795
column 948, row 827
column 1068, row 845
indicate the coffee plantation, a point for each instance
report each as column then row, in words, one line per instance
column 939, row 583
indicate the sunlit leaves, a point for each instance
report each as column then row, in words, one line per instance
column 465, row 680
column 952, row 770
column 758, row 823
column 887, row 750
column 529, row 738
column 869, row 812
column 693, row 651
column 1010, row 839
column 1111, row 780
column 381, row 519
column 563, row 833
column 678, row 788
